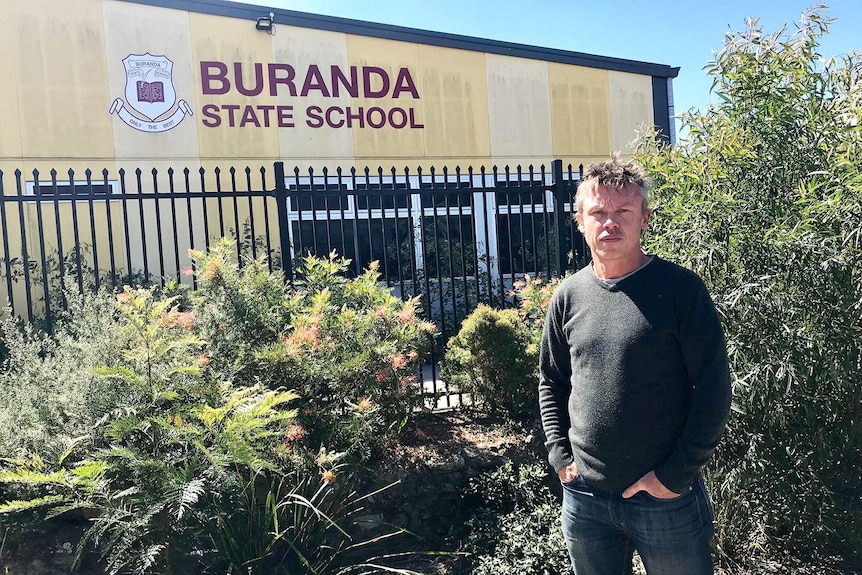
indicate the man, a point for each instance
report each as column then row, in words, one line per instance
column 634, row 392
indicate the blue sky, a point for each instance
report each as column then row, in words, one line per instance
column 680, row 33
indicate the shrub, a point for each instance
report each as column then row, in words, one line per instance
column 50, row 393
column 348, row 347
column 764, row 201
column 490, row 360
column 517, row 529
column 192, row 473
column 495, row 355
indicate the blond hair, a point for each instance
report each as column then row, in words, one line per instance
column 614, row 173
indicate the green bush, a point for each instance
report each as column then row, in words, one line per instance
column 349, row 348
column 764, row 201
column 198, row 460
column 495, row 355
column 489, row 359
column 50, row 393
column 517, row 531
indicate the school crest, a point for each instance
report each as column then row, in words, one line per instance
column 150, row 95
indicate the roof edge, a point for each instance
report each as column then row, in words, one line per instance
column 415, row 35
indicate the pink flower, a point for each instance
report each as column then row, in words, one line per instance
column 399, row 361
column 186, row 319
column 406, row 314
column 125, row 297
column 203, row 360
column 294, row 433
column 380, row 312
column 188, row 271
column 212, row 270
column 382, row 376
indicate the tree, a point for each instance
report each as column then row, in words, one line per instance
column 764, row 200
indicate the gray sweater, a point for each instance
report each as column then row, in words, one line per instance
column 633, row 377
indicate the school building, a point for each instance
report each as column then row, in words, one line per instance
column 171, row 122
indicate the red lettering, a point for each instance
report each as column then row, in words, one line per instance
column 413, row 123
column 329, row 112
column 404, row 83
column 314, row 81
column 275, row 80
column 380, row 123
column 314, row 119
column 285, row 116
column 266, row 110
column 208, row 77
column 249, row 117
column 357, row 116
column 367, row 72
column 338, row 77
column 211, row 113
column 231, row 117
column 396, row 124
column 258, row 79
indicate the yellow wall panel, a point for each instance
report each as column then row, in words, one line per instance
column 454, row 103
column 301, row 48
column 387, row 143
column 10, row 131
column 230, row 41
column 61, row 76
column 580, row 113
column 631, row 107
column 520, row 111
column 137, row 29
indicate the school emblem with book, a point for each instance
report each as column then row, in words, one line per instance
column 150, row 95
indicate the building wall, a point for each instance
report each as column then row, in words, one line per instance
column 240, row 98
column 65, row 69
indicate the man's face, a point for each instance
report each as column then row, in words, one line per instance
column 611, row 221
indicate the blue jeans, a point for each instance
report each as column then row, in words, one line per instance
column 602, row 530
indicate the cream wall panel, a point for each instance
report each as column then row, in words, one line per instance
column 138, row 29
column 580, row 112
column 228, row 40
column 387, row 143
column 10, row 131
column 631, row 107
column 61, row 67
column 454, row 103
column 301, row 47
column 520, row 111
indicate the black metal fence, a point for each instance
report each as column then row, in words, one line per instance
column 454, row 238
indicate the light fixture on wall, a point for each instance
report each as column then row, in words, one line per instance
column 265, row 24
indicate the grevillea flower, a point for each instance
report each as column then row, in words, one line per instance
column 186, row 319
column 188, row 271
column 382, row 376
column 406, row 314
column 413, row 355
column 307, row 334
column 212, row 269
column 399, row 361
column 125, row 297
column 166, row 320
column 294, row 433
column 380, row 312
column 364, row 404
column 405, row 382
column 203, row 360
column 328, row 476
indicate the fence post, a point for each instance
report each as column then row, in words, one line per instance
column 559, row 214
column 280, row 193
